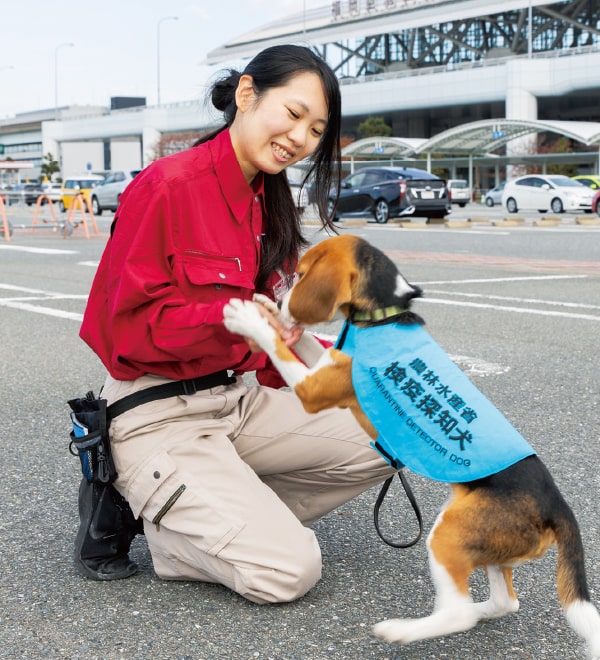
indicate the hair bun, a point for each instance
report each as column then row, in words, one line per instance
column 223, row 92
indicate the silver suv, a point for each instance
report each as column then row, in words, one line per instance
column 106, row 195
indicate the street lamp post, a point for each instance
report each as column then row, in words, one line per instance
column 69, row 45
column 162, row 20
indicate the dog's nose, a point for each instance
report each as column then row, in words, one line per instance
column 279, row 303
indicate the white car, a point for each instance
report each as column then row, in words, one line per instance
column 106, row 195
column 494, row 195
column 542, row 192
column 459, row 190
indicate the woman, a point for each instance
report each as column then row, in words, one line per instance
column 227, row 478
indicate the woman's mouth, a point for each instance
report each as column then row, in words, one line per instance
column 280, row 152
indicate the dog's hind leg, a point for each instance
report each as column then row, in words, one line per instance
column 503, row 599
column 454, row 609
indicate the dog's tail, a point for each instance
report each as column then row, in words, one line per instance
column 573, row 592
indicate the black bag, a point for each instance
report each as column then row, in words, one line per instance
column 107, row 524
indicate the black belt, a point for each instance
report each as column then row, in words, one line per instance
column 166, row 390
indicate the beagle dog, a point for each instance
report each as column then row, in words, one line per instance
column 495, row 522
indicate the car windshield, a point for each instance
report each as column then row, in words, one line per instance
column 459, row 184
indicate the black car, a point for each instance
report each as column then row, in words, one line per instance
column 386, row 192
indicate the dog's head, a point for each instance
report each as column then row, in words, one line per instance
column 346, row 274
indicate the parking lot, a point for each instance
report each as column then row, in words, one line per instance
column 516, row 306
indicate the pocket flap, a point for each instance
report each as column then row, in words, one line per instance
column 208, row 269
column 146, row 481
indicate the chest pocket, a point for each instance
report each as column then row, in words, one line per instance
column 214, row 274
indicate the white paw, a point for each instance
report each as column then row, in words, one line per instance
column 394, row 630
column 243, row 318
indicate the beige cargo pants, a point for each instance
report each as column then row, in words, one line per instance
column 227, row 479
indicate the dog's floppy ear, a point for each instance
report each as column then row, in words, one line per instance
column 324, row 286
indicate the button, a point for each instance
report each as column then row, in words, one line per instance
column 222, row 276
column 257, row 198
column 156, row 474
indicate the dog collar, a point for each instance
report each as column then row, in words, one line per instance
column 379, row 314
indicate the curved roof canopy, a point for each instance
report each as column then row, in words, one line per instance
column 474, row 138
column 384, row 147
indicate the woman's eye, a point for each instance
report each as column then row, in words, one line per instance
column 295, row 115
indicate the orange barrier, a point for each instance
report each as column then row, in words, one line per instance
column 5, row 224
column 80, row 202
column 39, row 203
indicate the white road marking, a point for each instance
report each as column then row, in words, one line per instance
column 37, row 309
column 35, row 250
column 525, row 278
column 533, row 301
column 517, row 310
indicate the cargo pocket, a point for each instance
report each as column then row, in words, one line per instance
column 168, row 499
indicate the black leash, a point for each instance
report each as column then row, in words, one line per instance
column 413, row 501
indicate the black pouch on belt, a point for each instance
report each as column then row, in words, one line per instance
column 106, row 523
column 89, row 439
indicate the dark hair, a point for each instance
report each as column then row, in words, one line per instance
column 275, row 67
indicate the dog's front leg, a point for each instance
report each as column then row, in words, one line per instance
column 243, row 318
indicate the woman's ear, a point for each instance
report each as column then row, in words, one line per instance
column 244, row 94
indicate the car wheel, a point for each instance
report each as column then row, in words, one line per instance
column 381, row 212
column 462, row 204
column 511, row 205
column 489, row 202
column 96, row 208
column 557, row 206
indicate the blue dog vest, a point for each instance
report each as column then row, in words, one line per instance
column 428, row 414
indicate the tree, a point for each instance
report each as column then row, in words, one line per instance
column 171, row 143
column 49, row 166
column 374, row 127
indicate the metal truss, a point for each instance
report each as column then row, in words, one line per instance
column 556, row 26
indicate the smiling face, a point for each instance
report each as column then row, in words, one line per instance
column 279, row 128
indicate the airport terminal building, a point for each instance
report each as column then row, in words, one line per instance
column 425, row 66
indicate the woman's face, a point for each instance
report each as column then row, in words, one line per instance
column 282, row 127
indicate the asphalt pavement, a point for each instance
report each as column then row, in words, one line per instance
column 517, row 307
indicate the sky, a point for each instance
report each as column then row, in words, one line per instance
column 114, row 48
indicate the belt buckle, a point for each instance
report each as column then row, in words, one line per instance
column 189, row 386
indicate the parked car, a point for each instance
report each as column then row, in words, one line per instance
column 542, row 192
column 74, row 185
column 494, row 195
column 31, row 192
column 460, row 192
column 106, row 195
column 53, row 191
column 590, row 180
column 386, row 192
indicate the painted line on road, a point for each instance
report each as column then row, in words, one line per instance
column 42, row 292
column 502, row 308
column 531, row 301
column 38, row 309
column 524, row 278
column 35, row 250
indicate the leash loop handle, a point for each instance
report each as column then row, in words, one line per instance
column 413, row 502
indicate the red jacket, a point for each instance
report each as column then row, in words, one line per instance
column 187, row 240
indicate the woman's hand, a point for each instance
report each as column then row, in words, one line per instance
column 289, row 334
